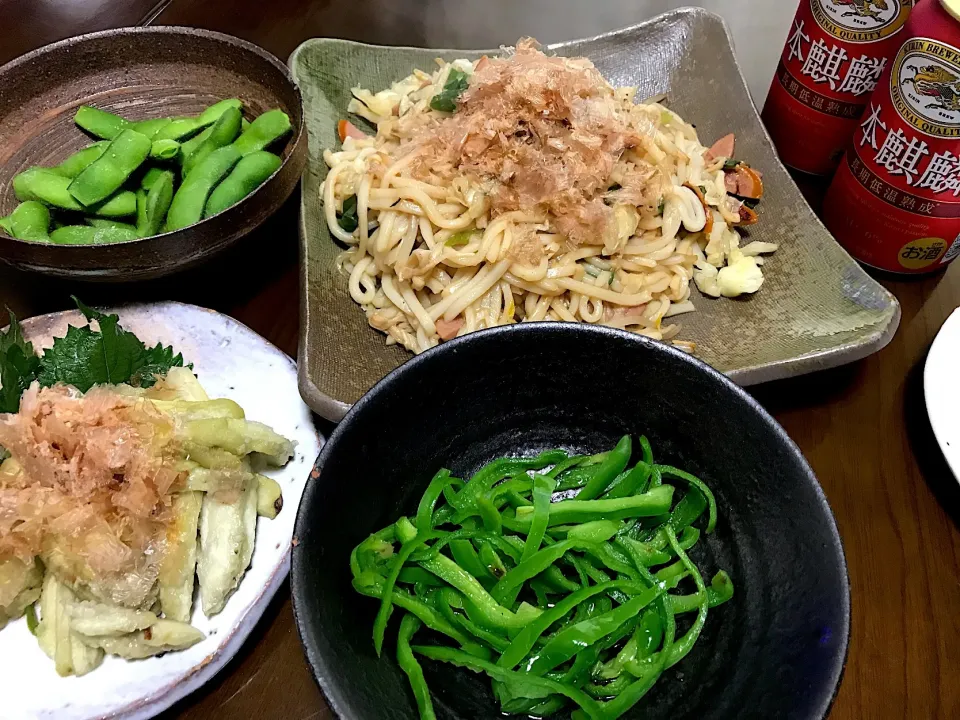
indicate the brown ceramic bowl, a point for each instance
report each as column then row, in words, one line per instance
column 139, row 73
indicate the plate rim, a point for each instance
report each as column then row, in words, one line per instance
column 298, row 591
column 933, row 369
column 156, row 702
column 335, row 410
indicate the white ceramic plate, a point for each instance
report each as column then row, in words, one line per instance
column 231, row 361
column 941, row 388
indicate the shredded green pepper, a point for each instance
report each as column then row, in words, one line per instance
column 482, row 563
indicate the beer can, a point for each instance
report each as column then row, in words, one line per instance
column 894, row 203
column 834, row 56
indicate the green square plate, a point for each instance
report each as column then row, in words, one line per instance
column 817, row 308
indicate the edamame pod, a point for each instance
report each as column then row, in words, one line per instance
column 184, row 128
column 100, row 123
column 86, row 235
column 141, row 210
column 78, row 162
column 210, row 115
column 190, row 199
column 223, row 132
column 150, row 127
column 188, row 147
column 263, row 132
column 105, row 175
column 150, row 177
column 156, row 204
column 249, row 174
column 6, row 226
column 50, row 188
column 164, row 149
column 108, row 223
column 179, row 129
column 30, row 221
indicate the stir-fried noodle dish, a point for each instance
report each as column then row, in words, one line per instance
column 525, row 187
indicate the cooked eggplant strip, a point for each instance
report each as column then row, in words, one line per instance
column 227, row 535
column 163, row 636
column 180, row 560
column 55, row 635
column 93, row 618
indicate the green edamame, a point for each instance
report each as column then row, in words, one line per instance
column 190, row 146
column 150, row 127
column 100, row 123
column 150, row 177
column 141, row 210
column 86, row 235
column 156, row 203
column 164, row 149
column 210, row 115
column 30, row 221
column 249, row 174
column 223, row 132
column 6, row 226
column 263, row 132
column 79, row 161
column 105, row 175
column 190, row 199
column 108, row 223
column 181, row 129
column 51, row 189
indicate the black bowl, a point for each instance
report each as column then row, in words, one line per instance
column 777, row 650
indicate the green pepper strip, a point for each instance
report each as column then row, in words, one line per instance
column 596, row 531
column 386, row 600
column 490, row 559
column 429, row 500
column 555, row 579
column 565, row 465
column 685, row 644
column 502, row 542
column 506, row 590
column 644, row 639
column 543, row 488
column 652, row 503
column 527, row 637
column 447, row 599
column 635, row 482
column 569, row 641
column 493, row 472
column 611, row 466
column 489, row 515
column 719, row 592
column 408, row 663
column 699, row 485
column 550, row 687
column 413, row 575
column 466, row 557
column 371, row 584
column 488, row 611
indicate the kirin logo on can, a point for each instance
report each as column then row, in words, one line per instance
column 860, row 20
column 925, row 87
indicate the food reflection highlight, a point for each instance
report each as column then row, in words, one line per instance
column 553, row 575
column 525, row 188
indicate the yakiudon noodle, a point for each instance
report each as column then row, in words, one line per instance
column 526, row 188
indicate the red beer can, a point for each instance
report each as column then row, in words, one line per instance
column 834, row 56
column 894, row 203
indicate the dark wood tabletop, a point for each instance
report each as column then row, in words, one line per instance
column 863, row 427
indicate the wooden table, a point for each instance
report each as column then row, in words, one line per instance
column 863, row 428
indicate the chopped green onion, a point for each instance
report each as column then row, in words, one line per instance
column 347, row 218
column 446, row 99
